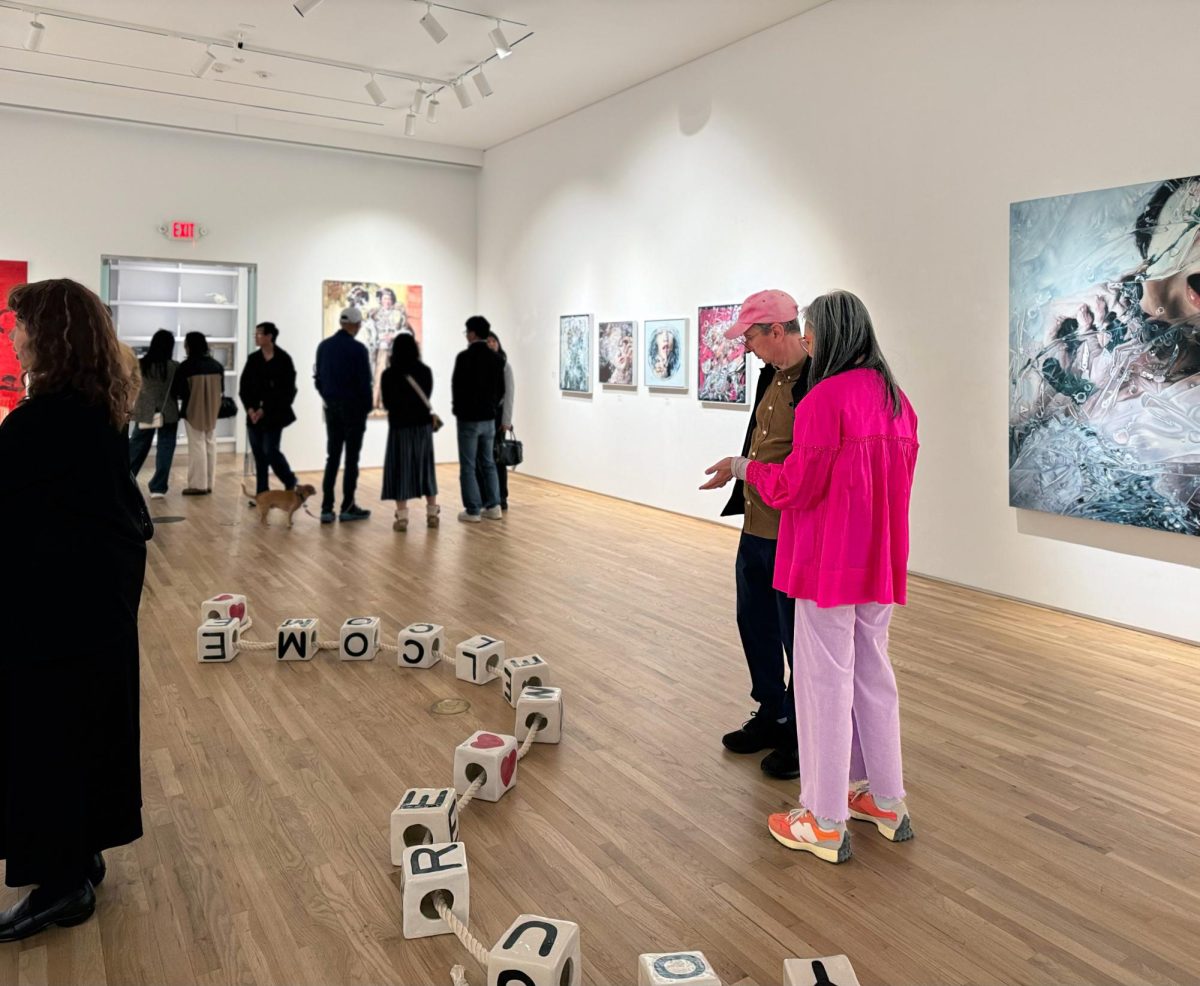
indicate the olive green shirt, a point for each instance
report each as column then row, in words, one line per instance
column 772, row 442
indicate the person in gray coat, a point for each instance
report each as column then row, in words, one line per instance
column 156, row 412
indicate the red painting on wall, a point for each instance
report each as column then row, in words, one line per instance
column 12, row 388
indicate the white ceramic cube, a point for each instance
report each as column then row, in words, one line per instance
column 297, row 640
column 537, row 951
column 819, row 972
column 429, row 870
column 226, row 606
column 490, row 753
column 539, row 704
column 360, row 639
column 217, row 641
column 478, row 660
column 424, row 815
column 420, row 645
column 669, row 968
column 522, row 671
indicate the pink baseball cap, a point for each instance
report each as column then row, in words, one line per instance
column 764, row 308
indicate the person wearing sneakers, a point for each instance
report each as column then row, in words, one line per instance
column 765, row 616
column 843, row 553
column 476, row 389
column 343, row 379
column 408, row 471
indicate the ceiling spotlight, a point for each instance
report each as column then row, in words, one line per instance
column 207, row 61
column 482, row 84
column 375, row 92
column 304, row 7
column 431, row 113
column 410, row 124
column 418, row 102
column 503, row 49
column 34, row 41
column 464, row 98
column 432, row 27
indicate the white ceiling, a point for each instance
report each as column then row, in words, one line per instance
column 580, row 51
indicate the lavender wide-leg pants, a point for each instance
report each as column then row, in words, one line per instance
column 847, row 707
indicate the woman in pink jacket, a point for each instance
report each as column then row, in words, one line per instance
column 843, row 556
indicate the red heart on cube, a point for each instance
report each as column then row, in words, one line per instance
column 508, row 767
column 222, row 597
column 237, row 610
column 487, row 741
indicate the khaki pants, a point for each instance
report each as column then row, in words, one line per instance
column 202, row 457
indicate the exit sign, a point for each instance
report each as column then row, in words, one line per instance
column 182, row 229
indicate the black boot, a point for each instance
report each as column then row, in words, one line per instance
column 35, row 913
column 96, row 870
column 757, row 733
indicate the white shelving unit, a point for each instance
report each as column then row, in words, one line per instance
column 216, row 299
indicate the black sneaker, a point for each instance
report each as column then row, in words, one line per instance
column 354, row 512
column 783, row 763
column 757, row 733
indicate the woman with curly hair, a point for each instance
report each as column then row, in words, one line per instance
column 70, row 783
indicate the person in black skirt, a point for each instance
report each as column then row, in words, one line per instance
column 408, row 471
column 76, row 531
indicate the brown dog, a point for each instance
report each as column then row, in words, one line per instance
column 288, row 500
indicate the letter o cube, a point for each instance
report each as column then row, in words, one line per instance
column 833, row 969
column 359, row 639
column 536, row 703
column 420, row 645
column 297, row 639
column 424, row 815
column 536, row 950
column 490, row 753
column 478, row 660
column 217, row 641
column 669, row 968
column 225, row 606
column 522, row 671
column 429, row 870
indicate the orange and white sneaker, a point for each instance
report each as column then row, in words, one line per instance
column 799, row 829
column 893, row 823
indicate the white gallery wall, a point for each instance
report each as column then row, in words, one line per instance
column 874, row 145
column 76, row 189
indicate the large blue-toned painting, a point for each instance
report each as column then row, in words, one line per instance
column 1104, row 330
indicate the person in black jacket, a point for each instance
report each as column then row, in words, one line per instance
column 476, row 389
column 770, row 324
column 70, row 770
column 408, row 471
column 267, row 391
column 343, row 379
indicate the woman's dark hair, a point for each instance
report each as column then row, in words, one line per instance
column 405, row 351
column 268, row 329
column 162, row 348
column 499, row 344
column 195, row 344
column 844, row 339
column 74, row 346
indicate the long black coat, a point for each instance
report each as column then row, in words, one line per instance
column 74, row 528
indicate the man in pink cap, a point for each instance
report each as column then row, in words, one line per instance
column 770, row 323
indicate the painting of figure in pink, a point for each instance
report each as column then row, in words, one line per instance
column 722, row 362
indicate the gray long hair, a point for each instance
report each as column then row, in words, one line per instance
column 844, row 339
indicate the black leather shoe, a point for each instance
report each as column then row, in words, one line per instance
column 783, row 763
column 96, row 870
column 21, row 920
column 757, row 733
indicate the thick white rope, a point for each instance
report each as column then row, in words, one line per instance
column 245, row 644
column 470, row 942
column 528, row 742
column 458, row 976
column 470, row 792
column 384, row 645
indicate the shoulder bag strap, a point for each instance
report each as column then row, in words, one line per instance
column 420, row 393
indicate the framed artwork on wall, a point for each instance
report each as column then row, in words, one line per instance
column 617, row 358
column 722, row 362
column 575, row 354
column 664, row 350
column 387, row 310
column 1104, row 347
column 12, row 377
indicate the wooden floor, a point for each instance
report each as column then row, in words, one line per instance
column 1052, row 767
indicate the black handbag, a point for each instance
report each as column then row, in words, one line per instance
column 228, row 408
column 510, row 452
